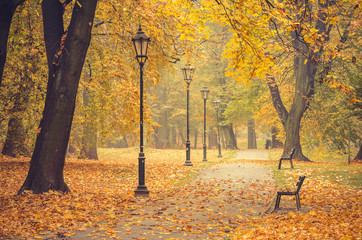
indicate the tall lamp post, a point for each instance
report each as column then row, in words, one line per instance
column 188, row 72
column 140, row 42
column 217, row 107
column 204, row 92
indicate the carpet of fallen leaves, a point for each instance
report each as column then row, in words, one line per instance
column 330, row 210
column 102, row 194
column 101, row 191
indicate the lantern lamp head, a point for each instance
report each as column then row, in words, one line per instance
column 188, row 73
column 217, row 104
column 204, row 92
column 140, row 42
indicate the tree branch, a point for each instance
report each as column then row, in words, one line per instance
column 277, row 101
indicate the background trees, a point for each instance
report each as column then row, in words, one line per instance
column 302, row 60
column 307, row 36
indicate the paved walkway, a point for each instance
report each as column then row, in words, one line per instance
column 253, row 154
column 210, row 207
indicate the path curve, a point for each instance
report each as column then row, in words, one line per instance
column 210, row 207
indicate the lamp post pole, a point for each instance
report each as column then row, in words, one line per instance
column 204, row 92
column 217, row 106
column 188, row 144
column 141, row 188
column 188, row 72
column 140, row 42
column 204, row 146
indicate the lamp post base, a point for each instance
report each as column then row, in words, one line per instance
column 141, row 191
column 204, row 150
column 219, row 156
column 188, row 154
column 188, row 163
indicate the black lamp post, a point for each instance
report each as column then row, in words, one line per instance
column 140, row 42
column 188, row 72
column 217, row 107
column 204, row 92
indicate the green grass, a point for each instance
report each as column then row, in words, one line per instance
column 328, row 168
column 343, row 177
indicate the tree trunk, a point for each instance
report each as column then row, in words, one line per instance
column 196, row 135
column 173, row 137
column 305, row 66
column 15, row 139
column 124, row 143
column 181, row 136
column 89, row 139
column 304, row 71
column 359, row 154
column 212, row 139
column 15, row 142
column 47, row 163
column 7, row 10
column 229, row 136
column 223, row 140
column 251, row 135
column 156, row 139
column 275, row 143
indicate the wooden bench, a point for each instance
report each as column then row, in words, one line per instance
column 296, row 193
column 287, row 158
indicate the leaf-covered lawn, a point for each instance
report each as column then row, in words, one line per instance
column 330, row 199
column 102, row 195
column 101, row 191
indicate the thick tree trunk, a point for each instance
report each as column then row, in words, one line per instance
column 229, row 136
column 251, row 135
column 359, row 154
column 47, row 163
column 304, row 71
column 7, row 9
column 304, row 89
column 305, row 66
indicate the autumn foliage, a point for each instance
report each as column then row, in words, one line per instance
column 102, row 197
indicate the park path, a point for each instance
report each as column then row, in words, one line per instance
column 210, row 207
column 253, row 154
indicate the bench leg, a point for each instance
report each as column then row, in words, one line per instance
column 291, row 163
column 280, row 163
column 277, row 201
column 297, row 200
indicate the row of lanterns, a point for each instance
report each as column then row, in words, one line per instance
column 140, row 42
